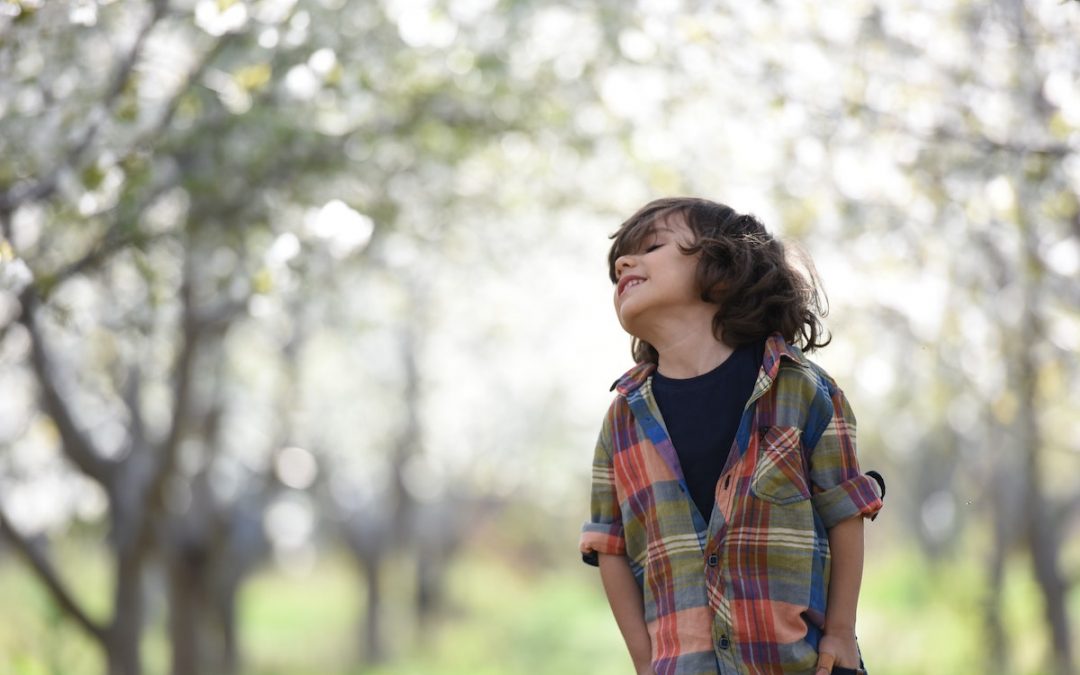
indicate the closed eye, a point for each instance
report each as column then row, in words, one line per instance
column 653, row 248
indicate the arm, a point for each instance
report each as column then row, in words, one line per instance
column 603, row 544
column 627, row 605
column 845, row 578
column 844, row 497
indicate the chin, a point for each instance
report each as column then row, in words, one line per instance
column 628, row 323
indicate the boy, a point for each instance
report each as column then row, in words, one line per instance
column 727, row 501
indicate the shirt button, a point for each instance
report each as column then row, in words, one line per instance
column 714, row 560
column 724, row 642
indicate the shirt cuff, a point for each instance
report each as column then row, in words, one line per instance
column 599, row 538
column 860, row 495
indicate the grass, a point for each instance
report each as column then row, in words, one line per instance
column 506, row 616
column 498, row 620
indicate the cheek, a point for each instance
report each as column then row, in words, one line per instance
column 690, row 278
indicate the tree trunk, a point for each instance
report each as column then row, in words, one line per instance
column 996, row 661
column 225, row 606
column 122, row 647
column 185, row 604
column 372, row 638
column 1042, row 535
column 203, row 584
column 428, row 591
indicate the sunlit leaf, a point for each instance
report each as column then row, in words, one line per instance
column 263, row 281
column 254, row 77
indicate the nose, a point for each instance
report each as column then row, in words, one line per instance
column 621, row 263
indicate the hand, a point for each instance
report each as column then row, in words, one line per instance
column 837, row 649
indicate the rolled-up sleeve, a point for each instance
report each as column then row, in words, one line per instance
column 603, row 532
column 840, row 489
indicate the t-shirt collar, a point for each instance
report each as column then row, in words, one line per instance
column 775, row 349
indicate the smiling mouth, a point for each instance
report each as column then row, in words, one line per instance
column 628, row 283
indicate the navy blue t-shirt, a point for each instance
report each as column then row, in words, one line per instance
column 702, row 416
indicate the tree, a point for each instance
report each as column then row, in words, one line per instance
column 1008, row 147
column 138, row 202
column 163, row 192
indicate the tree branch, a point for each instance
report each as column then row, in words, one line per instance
column 112, row 242
column 183, row 376
column 131, row 398
column 41, row 565
column 184, row 370
column 220, row 316
column 20, row 193
column 973, row 139
column 127, row 65
column 5, row 224
column 154, row 134
column 76, row 444
column 118, row 236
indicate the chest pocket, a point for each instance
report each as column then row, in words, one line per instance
column 780, row 475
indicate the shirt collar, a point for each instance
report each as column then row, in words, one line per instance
column 633, row 378
column 775, row 349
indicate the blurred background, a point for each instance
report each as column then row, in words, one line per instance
column 306, row 337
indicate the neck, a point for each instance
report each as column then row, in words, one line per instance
column 688, row 348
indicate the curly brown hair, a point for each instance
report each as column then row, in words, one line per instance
column 743, row 270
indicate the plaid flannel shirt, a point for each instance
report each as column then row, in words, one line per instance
column 744, row 592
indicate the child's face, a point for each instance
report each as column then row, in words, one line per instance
column 658, row 280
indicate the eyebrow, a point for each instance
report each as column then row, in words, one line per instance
column 638, row 240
